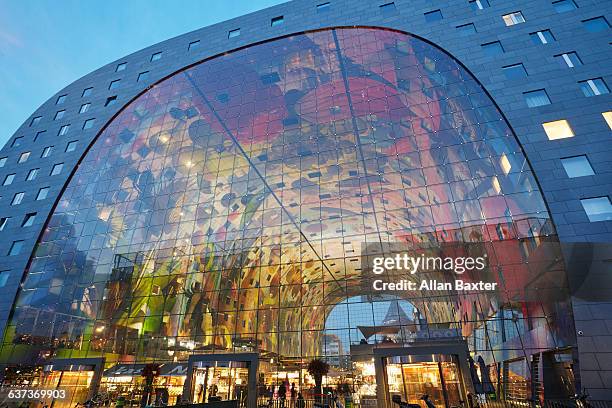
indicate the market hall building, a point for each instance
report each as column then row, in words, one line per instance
column 201, row 206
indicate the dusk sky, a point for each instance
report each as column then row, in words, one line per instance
column 46, row 45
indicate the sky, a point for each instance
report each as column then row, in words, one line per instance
column 47, row 44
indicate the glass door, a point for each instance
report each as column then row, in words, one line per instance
column 220, row 381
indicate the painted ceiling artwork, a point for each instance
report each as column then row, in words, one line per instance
column 227, row 205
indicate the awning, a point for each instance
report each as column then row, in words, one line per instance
column 135, row 370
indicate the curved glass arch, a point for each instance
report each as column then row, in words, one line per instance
column 226, row 207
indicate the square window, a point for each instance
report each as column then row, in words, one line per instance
column 156, row 57
column 17, row 141
column 86, row 92
column 3, row 161
column 559, row 129
column 23, row 157
column 431, row 16
column 42, row 193
column 8, row 180
column 61, row 99
column 88, row 124
column 110, row 100
column 35, row 121
column 3, row 222
column 511, row 19
column 597, row 208
column 276, row 21
column 121, row 67
column 492, row 49
column 569, row 59
column 595, row 25
column 515, row 71
column 114, row 84
column 57, row 169
column 46, row 152
column 28, row 220
column 32, row 174
column 594, row 87
column 577, row 166
column 233, row 33
column 84, row 107
column 143, row 76
column 15, row 248
column 469, row 28
column 18, row 198
column 388, row 8
column 192, row 45
column 71, row 146
column 322, row 7
column 63, row 130
column 59, row 114
column 479, row 4
column 39, row 135
column 562, row 6
column 539, row 97
column 607, row 116
column 542, row 37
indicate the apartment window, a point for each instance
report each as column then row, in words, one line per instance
column 3, row 161
column 23, row 157
column 114, row 84
column 32, row 174
column 192, row 45
column 479, row 4
column 110, row 100
column 17, row 141
column 563, row 6
column 88, row 124
column 156, row 57
column 233, row 33
column 61, row 99
column 8, row 179
column 607, row 116
column 431, row 16
column 388, row 8
column 492, row 49
column 18, row 198
column 577, row 166
column 469, row 28
column 35, row 121
column 39, row 134
column 121, row 67
column 323, row 7
column 569, row 59
column 15, row 248
column 42, row 193
column 84, row 107
column 63, row 130
column 3, row 222
column 59, row 114
column 57, row 169
column 28, row 220
column 594, row 87
column 595, row 25
column 542, row 37
column 86, row 92
column 514, row 71
column 597, row 208
column 511, row 19
column 539, row 97
column 276, row 21
column 142, row 76
column 558, row 129
column 71, row 146
column 46, row 152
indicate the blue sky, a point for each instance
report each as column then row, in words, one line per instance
column 46, row 44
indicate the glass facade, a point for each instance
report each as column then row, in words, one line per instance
column 224, row 210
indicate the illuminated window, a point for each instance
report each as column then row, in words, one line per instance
column 542, row 37
column 121, row 67
column 492, row 49
column 233, row 33
column 559, row 129
column 17, row 198
column 15, row 248
column 23, row 157
column 536, row 98
column 276, row 21
column 594, row 87
column 32, row 174
column 63, row 130
column 597, row 24
column 156, row 57
column 577, row 166
column 607, row 116
column 569, row 59
column 597, row 208
column 8, row 180
column 563, row 6
column 511, row 19
column 479, row 4
column 84, row 107
column 46, row 152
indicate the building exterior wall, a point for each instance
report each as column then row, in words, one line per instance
column 563, row 194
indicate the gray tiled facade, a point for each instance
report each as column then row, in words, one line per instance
column 592, row 135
